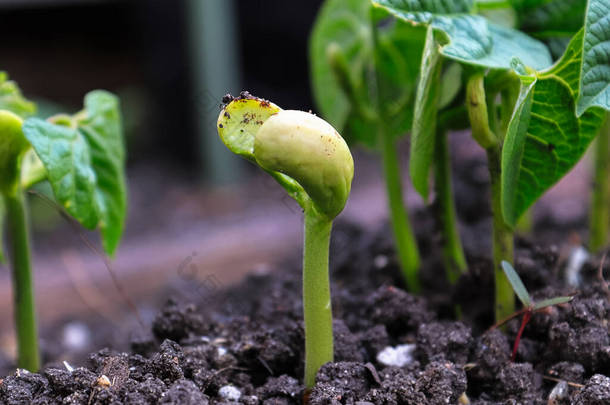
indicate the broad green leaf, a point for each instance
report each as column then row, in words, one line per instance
column 551, row 301
column 84, row 158
column 359, row 74
column 516, row 283
column 425, row 115
column 555, row 139
column 471, row 39
column 551, row 18
column 595, row 72
column 12, row 100
column 66, row 156
column 103, row 131
column 552, row 21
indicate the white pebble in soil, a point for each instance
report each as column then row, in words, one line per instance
column 380, row 261
column 76, row 336
column 230, row 393
column 398, row 356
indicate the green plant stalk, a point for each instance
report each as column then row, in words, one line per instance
column 404, row 239
column 600, row 198
column 502, row 234
column 316, row 295
column 453, row 253
column 25, row 312
column 503, row 240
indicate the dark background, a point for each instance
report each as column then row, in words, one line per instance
column 59, row 50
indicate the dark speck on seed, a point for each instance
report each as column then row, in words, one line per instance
column 227, row 98
column 227, row 115
column 220, row 126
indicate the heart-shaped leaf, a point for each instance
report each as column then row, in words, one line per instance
column 555, row 138
column 470, row 39
column 84, row 158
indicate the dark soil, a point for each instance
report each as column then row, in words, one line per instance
column 244, row 344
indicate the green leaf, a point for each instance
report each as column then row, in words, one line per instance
column 551, row 301
column 103, row 131
column 551, row 18
column 84, row 159
column 471, row 39
column 555, row 139
column 516, row 283
column 512, row 150
column 595, row 71
column 65, row 155
column 425, row 115
column 359, row 74
column 12, row 100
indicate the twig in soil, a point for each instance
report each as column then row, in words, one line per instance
column 570, row 383
column 76, row 227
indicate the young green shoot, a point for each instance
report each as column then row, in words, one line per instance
column 529, row 306
column 312, row 162
column 82, row 157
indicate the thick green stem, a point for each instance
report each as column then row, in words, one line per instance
column 316, row 295
column 453, row 253
column 404, row 239
column 600, row 198
column 503, row 240
column 25, row 311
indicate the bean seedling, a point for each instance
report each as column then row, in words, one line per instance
column 363, row 79
column 82, row 157
column 529, row 306
column 534, row 118
column 311, row 161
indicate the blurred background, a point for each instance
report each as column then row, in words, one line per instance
column 192, row 203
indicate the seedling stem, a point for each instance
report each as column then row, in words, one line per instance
column 316, row 295
column 502, row 239
column 25, row 311
column 453, row 253
column 405, row 242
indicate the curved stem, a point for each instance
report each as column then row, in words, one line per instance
column 453, row 253
column 502, row 238
column 600, row 198
column 316, row 295
column 25, row 311
column 404, row 239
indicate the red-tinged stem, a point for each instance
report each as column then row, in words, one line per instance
column 526, row 318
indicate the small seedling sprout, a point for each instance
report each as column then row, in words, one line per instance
column 312, row 162
column 82, row 157
column 529, row 306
